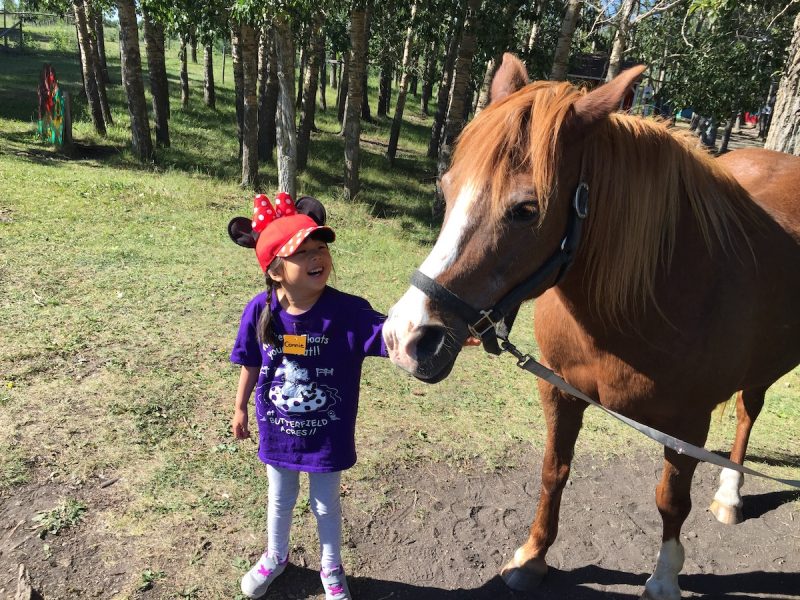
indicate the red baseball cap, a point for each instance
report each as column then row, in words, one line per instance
column 283, row 236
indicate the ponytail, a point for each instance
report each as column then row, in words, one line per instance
column 266, row 324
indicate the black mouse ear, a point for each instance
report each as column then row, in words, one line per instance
column 313, row 208
column 241, row 231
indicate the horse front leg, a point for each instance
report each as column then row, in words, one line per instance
column 563, row 416
column 673, row 498
column 727, row 504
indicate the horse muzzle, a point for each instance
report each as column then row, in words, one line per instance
column 428, row 352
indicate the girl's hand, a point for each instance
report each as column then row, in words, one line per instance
column 239, row 425
column 472, row 341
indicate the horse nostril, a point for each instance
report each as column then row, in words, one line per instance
column 431, row 342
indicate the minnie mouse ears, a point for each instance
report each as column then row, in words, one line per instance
column 244, row 232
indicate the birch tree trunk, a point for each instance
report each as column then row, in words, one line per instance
column 238, row 80
column 323, row 75
column 267, row 93
column 89, row 79
column 561, row 57
column 456, row 112
column 285, row 118
column 352, row 122
column 428, row 73
column 159, row 85
column 96, row 64
column 209, row 94
column 341, row 98
column 309, row 105
column 785, row 125
column 397, row 122
column 443, row 96
column 184, row 74
column 620, row 37
column 250, row 106
column 99, row 34
column 366, row 113
column 134, row 86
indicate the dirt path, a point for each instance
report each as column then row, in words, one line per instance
column 442, row 533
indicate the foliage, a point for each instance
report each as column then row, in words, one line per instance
column 719, row 55
column 67, row 514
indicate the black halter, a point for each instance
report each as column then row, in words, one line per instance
column 494, row 322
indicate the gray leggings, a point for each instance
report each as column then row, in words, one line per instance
column 284, row 485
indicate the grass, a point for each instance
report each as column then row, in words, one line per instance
column 121, row 298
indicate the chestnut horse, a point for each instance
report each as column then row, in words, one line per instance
column 683, row 290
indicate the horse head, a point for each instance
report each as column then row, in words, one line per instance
column 509, row 195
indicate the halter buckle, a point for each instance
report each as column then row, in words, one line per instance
column 581, row 200
column 478, row 328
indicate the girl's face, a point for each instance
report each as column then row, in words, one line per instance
column 307, row 270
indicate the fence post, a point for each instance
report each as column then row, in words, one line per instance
column 5, row 36
column 21, row 41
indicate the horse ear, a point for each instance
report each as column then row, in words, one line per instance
column 241, row 231
column 601, row 102
column 313, row 208
column 510, row 77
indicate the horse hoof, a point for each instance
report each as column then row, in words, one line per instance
column 727, row 515
column 525, row 578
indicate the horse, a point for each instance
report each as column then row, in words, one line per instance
column 682, row 290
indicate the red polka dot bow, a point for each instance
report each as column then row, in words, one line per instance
column 264, row 213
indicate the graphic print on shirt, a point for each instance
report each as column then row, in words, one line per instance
column 297, row 395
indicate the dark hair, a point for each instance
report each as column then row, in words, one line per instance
column 266, row 325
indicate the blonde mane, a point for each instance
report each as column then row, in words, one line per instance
column 639, row 172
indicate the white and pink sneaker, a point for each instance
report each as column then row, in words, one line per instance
column 335, row 584
column 261, row 575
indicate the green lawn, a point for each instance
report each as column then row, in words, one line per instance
column 121, row 294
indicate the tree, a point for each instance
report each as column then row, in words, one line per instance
column 268, row 90
column 443, row 95
column 352, row 122
column 87, row 65
column 394, row 135
column 784, row 132
column 309, row 98
column 456, row 112
column 568, row 24
column 134, row 86
column 157, row 70
column 249, row 45
column 285, row 119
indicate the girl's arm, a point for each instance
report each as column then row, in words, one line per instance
column 247, row 381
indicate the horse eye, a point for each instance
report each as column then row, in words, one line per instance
column 525, row 212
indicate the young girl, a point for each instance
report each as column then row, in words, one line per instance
column 301, row 344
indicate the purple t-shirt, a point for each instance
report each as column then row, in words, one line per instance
column 307, row 389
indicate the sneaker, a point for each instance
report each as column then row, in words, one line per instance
column 257, row 580
column 335, row 584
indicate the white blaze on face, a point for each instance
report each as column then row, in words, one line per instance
column 410, row 312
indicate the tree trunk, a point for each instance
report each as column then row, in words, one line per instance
column 159, row 86
column 301, row 77
column 455, row 113
column 443, row 97
column 238, row 80
column 785, row 116
column 284, row 122
column 209, row 95
column 267, row 93
column 366, row 113
column 408, row 50
column 428, row 73
column 134, row 86
column 341, row 99
column 323, row 76
column 184, row 74
column 89, row 79
column 335, row 72
column 352, row 122
column 98, row 71
column 193, row 45
column 509, row 15
column 316, row 46
column 80, row 58
column 250, row 105
column 384, row 90
column 561, row 57
column 620, row 37
column 99, row 34
column 726, row 137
